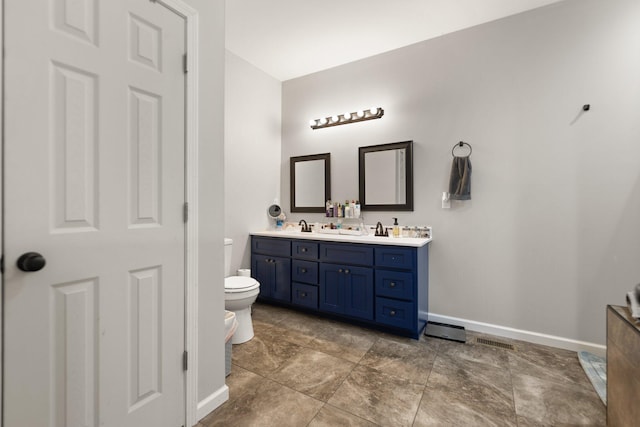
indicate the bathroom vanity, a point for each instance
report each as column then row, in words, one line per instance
column 379, row 282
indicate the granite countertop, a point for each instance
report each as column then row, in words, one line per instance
column 345, row 238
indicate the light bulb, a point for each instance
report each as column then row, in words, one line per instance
column 323, row 121
column 347, row 116
column 373, row 111
column 312, row 123
column 335, row 119
column 360, row 113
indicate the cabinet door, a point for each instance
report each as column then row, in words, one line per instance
column 281, row 289
column 331, row 288
column 346, row 290
column 358, row 301
column 261, row 270
column 274, row 275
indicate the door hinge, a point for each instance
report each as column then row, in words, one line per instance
column 185, row 212
column 185, row 68
column 185, row 361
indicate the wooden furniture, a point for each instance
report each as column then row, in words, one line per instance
column 623, row 368
column 376, row 285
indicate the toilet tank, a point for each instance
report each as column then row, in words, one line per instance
column 228, row 245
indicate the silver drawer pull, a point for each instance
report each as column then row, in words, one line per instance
column 392, row 313
column 303, row 250
column 303, row 270
column 392, row 285
column 346, row 272
column 303, row 294
column 339, row 270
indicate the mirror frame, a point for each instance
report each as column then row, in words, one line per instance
column 327, row 181
column 408, row 205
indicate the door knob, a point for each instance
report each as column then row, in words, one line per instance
column 31, row 261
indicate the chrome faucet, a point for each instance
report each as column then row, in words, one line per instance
column 305, row 227
column 381, row 231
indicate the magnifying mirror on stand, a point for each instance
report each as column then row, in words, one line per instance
column 275, row 212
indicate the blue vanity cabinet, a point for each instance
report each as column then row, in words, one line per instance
column 304, row 274
column 271, row 267
column 376, row 285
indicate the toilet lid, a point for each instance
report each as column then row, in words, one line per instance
column 240, row 284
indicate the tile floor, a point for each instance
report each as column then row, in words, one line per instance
column 302, row 370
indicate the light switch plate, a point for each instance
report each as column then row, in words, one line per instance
column 446, row 201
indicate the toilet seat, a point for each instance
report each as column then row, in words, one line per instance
column 235, row 284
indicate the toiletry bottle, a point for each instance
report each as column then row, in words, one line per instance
column 396, row 228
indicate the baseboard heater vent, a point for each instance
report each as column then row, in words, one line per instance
column 493, row 343
column 446, row 332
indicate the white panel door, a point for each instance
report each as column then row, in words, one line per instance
column 94, row 182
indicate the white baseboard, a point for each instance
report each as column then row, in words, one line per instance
column 518, row 334
column 211, row 402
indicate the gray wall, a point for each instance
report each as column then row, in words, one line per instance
column 552, row 233
column 211, row 132
column 251, row 154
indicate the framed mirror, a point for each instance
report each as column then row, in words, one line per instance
column 310, row 182
column 386, row 177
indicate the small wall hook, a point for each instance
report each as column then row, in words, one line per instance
column 586, row 107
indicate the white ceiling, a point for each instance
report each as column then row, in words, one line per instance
column 292, row 38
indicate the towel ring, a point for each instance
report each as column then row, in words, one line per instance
column 461, row 144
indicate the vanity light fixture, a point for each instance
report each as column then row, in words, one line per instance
column 343, row 119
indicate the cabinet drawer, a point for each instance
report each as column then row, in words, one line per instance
column 400, row 314
column 395, row 257
column 395, row 284
column 274, row 246
column 305, row 295
column 305, row 250
column 304, row 271
column 346, row 254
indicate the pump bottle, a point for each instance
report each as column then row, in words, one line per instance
column 396, row 228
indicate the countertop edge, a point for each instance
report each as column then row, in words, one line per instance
column 345, row 238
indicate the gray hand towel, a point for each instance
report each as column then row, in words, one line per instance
column 460, row 179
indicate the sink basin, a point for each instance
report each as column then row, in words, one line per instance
column 294, row 231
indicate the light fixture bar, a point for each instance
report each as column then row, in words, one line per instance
column 343, row 119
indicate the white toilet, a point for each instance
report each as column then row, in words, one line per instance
column 239, row 293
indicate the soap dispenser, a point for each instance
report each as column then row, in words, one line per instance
column 396, row 228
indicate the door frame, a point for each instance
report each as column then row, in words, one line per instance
column 191, row 17
column 191, row 186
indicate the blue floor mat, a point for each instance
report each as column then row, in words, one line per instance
column 596, row 369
